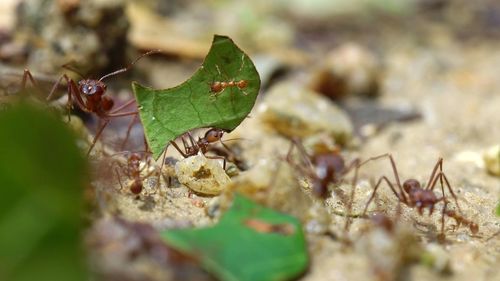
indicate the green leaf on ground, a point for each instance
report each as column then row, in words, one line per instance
column 498, row 209
column 168, row 113
column 42, row 176
column 250, row 242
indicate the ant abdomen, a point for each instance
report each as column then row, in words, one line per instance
column 136, row 187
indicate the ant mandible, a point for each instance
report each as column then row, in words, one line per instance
column 89, row 96
column 412, row 194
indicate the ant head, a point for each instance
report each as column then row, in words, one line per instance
column 134, row 157
column 242, row 84
column 410, row 185
column 216, row 87
column 213, row 135
column 91, row 87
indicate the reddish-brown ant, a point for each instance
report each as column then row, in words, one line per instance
column 413, row 195
column 134, row 171
column 327, row 166
column 89, row 96
column 460, row 220
column 322, row 168
column 202, row 144
column 217, row 87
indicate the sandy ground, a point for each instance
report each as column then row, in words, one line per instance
column 455, row 88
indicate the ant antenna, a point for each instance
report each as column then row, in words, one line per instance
column 130, row 65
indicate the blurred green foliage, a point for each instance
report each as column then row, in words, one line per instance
column 250, row 242
column 42, row 176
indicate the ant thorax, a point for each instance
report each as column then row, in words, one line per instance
column 90, row 87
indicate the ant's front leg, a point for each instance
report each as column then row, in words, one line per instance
column 28, row 77
column 73, row 93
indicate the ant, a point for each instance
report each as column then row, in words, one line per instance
column 327, row 166
column 89, row 96
column 217, row 87
column 203, row 144
column 412, row 194
column 133, row 170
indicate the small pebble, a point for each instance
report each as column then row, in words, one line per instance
column 202, row 175
column 295, row 111
column 349, row 69
column 492, row 160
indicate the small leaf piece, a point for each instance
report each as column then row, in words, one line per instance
column 498, row 209
column 198, row 102
column 250, row 242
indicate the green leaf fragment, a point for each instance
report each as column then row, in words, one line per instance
column 498, row 209
column 168, row 113
column 42, row 175
column 250, row 242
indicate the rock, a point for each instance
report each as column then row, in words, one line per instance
column 347, row 70
column 492, row 160
column 295, row 111
column 202, row 175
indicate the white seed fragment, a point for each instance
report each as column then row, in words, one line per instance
column 202, row 175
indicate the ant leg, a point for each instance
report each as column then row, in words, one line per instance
column 219, row 157
column 127, row 135
column 122, row 114
column 401, row 195
column 98, row 134
column 191, row 139
column 354, row 164
column 303, row 153
column 443, row 177
column 179, row 149
column 242, row 63
column 28, row 77
column 306, row 172
column 433, row 177
column 146, row 145
column 128, row 103
column 442, row 218
column 119, row 179
column 375, row 191
column 73, row 93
